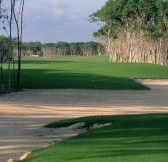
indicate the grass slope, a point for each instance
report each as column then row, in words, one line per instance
column 86, row 73
column 131, row 138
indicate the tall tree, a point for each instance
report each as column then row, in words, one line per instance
column 134, row 30
column 11, row 16
column 18, row 10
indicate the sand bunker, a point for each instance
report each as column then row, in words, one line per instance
column 22, row 114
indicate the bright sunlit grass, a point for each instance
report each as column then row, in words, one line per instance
column 130, row 138
column 93, row 72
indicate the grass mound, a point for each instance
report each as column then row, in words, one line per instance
column 130, row 138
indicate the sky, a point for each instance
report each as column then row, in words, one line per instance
column 59, row 20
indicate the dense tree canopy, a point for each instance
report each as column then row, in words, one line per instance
column 123, row 19
column 151, row 15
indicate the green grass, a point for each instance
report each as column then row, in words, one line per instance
column 86, row 73
column 130, row 138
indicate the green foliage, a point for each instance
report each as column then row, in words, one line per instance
column 4, row 48
column 134, row 14
column 35, row 47
column 5, row 56
column 130, row 138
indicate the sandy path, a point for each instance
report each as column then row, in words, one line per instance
column 22, row 114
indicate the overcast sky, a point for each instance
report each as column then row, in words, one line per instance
column 59, row 20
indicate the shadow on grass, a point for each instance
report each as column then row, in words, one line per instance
column 52, row 79
column 136, row 136
column 45, row 61
column 120, row 154
column 130, row 138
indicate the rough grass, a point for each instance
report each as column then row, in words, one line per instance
column 131, row 138
column 86, row 73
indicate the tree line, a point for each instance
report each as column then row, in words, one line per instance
column 134, row 30
column 9, row 54
column 62, row 49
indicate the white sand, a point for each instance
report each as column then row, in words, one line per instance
column 22, row 114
